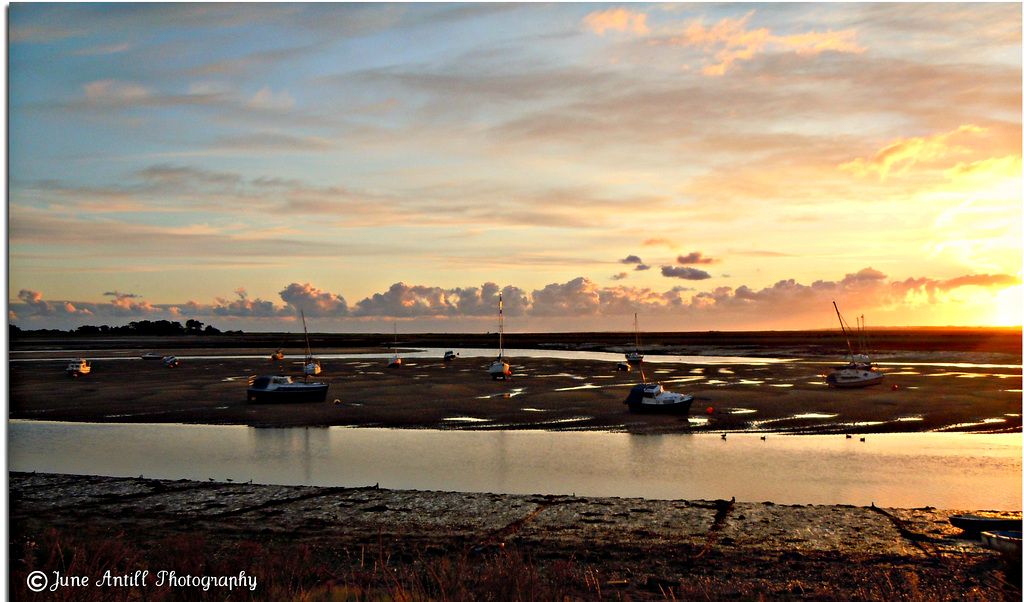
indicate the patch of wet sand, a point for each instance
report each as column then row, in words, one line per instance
column 429, row 392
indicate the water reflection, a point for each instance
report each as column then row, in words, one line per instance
column 947, row 470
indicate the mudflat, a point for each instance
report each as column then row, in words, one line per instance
column 950, row 380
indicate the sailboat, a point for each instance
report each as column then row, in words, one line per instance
column 858, row 372
column 312, row 365
column 395, row 362
column 499, row 368
column 635, row 356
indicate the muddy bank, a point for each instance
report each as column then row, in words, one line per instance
column 921, row 392
column 602, row 547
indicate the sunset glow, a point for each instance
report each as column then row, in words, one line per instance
column 707, row 166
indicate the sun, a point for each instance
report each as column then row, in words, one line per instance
column 1009, row 307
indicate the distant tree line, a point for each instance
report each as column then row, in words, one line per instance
column 158, row 328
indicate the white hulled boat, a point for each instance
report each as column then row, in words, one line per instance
column 499, row 368
column 652, row 397
column 312, row 365
column 858, row 371
column 636, row 356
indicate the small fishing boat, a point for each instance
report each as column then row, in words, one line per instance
column 1002, row 541
column 170, row 362
column 152, row 356
column 79, row 367
column 858, row 372
column 449, row 356
column 623, row 367
column 282, row 389
column 651, row 397
column 973, row 524
column 636, row 356
column 499, row 368
column 277, row 355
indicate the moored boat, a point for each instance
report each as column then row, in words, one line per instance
column 636, row 356
column 858, row 372
column 171, row 362
column 312, row 365
column 499, row 368
column 652, row 397
column 1002, row 541
column 395, row 361
column 79, row 367
column 449, row 356
column 152, row 356
column 282, row 389
column 973, row 524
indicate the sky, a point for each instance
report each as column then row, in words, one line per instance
column 398, row 166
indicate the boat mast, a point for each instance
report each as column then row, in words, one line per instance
column 841, row 325
column 501, row 329
column 636, row 329
column 305, row 333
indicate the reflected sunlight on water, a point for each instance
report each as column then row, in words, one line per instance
column 945, row 470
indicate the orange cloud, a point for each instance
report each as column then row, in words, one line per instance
column 999, row 167
column 731, row 41
column 906, row 153
column 617, row 19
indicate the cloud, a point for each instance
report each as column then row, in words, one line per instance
column 906, row 153
column 242, row 307
column 621, row 276
column 313, row 301
column 663, row 242
column 786, row 302
column 112, row 92
column 731, row 41
column 120, row 295
column 633, row 259
column 684, row 272
column 266, row 99
column 617, row 19
column 578, row 297
column 695, row 257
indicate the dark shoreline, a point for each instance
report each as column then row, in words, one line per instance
column 745, row 343
column 496, row 546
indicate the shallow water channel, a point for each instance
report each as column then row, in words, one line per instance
column 943, row 470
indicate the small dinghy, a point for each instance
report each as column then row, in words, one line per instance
column 973, row 524
column 79, row 367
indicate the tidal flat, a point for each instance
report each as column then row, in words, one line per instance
column 947, row 380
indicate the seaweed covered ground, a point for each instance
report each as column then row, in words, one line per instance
column 310, row 543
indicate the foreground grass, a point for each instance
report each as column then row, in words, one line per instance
column 286, row 572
